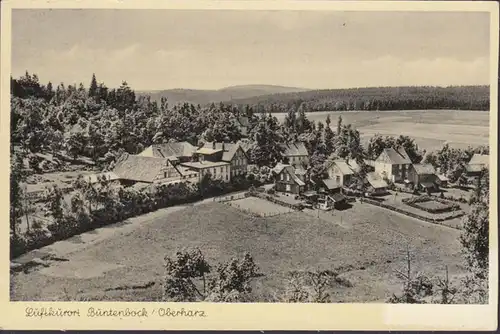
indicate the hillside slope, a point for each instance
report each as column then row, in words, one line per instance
column 198, row 96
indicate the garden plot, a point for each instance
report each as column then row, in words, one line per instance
column 259, row 207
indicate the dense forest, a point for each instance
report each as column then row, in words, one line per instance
column 381, row 98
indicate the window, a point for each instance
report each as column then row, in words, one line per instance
column 165, row 175
column 222, row 169
column 337, row 178
column 282, row 177
column 288, row 177
column 227, row 177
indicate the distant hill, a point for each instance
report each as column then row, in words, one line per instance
column 373, row 98
column 202, row 97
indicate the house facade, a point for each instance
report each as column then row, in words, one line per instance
column 393, row 164
column 232, row 153
column 288, row 181
column 218, row 170
column 423, row 176
column 295, row 154
column 342, row 171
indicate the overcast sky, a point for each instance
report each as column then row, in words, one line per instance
column 162, row 49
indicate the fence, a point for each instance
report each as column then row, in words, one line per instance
column 222, row 199
column 275, row 200
column 438, row 221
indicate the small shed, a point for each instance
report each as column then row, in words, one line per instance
column 442, row 180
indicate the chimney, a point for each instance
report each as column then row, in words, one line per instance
column 213, row 145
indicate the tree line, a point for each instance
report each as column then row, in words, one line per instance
column 372, row 99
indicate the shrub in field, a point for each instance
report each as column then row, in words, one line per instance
column 189, row 277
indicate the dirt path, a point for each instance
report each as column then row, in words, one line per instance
column 77, row 243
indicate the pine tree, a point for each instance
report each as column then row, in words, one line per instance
column 93, row 86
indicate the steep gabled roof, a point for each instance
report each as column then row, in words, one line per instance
column 139, row 168
column 230, row 149
column 332, row 184
column 291, row 171
column 295, row 149
column 424, row 169
column 279, row 167
column 176, row 149
column 399, row 157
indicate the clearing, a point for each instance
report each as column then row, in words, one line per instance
column 431, row 129
column 126, row 264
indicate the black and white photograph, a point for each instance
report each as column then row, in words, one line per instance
column 250, row 156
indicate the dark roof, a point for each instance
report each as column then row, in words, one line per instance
column 295, row 149
column 427, row 184
column 229, row 149
column 422, row 169
column 290, row 170
column 176, row 149
column 399, row 157
column 338, row 197
column 139, row 168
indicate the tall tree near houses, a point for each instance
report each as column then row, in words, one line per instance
column 93, row 86
column 475, row 239
column 339, row 125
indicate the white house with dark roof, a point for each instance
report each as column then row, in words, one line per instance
column 295, row 154
column 287, row 181
column 393, row 164
column 218, row 170
column 232, row 153
column 342, row 171
column 423, row 176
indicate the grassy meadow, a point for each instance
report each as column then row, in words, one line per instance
column 431, row 129
column 125, row 261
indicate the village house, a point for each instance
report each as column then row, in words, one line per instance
column 295, row 154
column 342, row 171
column 376, row 184
column 477, row 163
column 218, row 170
column 232, row 153
column 393, row 164
column 182, row 151
column 423, row 176
column 288, row 181
column 442, row 181
column 132, row 169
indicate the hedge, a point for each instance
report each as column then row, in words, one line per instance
column 438, row 221
column 130, row 203
column 413, row 202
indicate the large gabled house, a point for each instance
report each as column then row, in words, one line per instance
column 182, row 151
column 288, row 181
column 342, row 171
column 232, row 153
column 295, row 154
column 131, row 169
column 393, row 164
column 477, row 163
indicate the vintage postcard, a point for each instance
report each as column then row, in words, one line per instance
column 249, row 165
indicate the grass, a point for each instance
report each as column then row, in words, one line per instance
column 433, row 205
column 430, row 128
column 371, row 242
column 259, row 206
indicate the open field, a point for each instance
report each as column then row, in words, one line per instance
column 128, row 259
column 259, row 206
column 431, row 129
